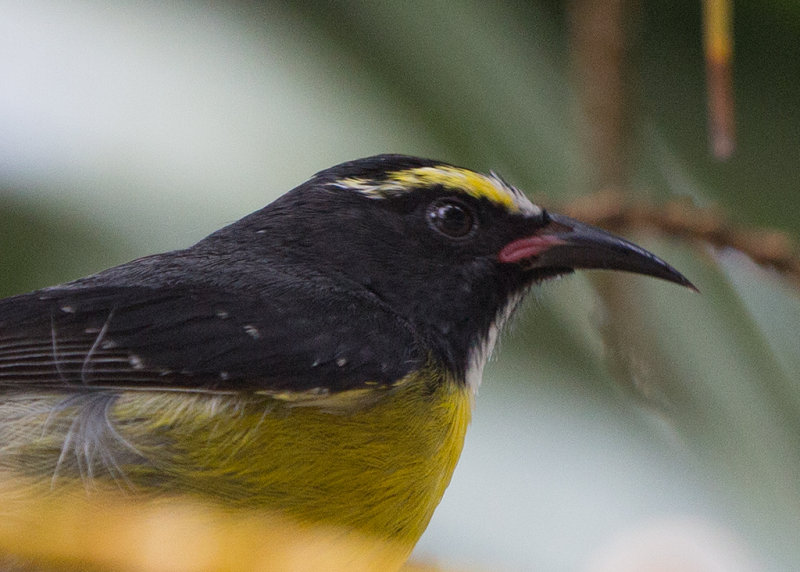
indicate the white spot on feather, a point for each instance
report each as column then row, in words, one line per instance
column 135, row 361
column 252, row 331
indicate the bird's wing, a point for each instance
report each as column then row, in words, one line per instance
column 199, row 338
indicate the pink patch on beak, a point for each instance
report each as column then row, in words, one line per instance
column 528, row 247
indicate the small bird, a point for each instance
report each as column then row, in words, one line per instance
column 318, row 357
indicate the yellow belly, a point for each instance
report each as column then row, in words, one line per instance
column 376, row 466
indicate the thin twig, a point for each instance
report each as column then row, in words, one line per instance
column 718, row 41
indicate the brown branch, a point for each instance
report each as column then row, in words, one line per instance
column 682, row 219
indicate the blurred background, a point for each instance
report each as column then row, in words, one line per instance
column 625, row 422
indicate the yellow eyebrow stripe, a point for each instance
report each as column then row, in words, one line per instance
column 463, row 180
column 452, row 178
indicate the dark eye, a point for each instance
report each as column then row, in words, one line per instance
column 452, row 218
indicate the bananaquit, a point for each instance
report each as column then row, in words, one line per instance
column 318, row 357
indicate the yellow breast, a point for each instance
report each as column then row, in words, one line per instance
column 375, row 465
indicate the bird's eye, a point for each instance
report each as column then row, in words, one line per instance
column 451, row 218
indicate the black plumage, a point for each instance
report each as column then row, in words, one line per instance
column 325, row 289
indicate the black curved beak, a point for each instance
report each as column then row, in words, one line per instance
column 569, row 244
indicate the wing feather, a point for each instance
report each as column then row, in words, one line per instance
column 200, row 338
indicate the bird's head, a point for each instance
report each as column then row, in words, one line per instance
column 450, row 250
